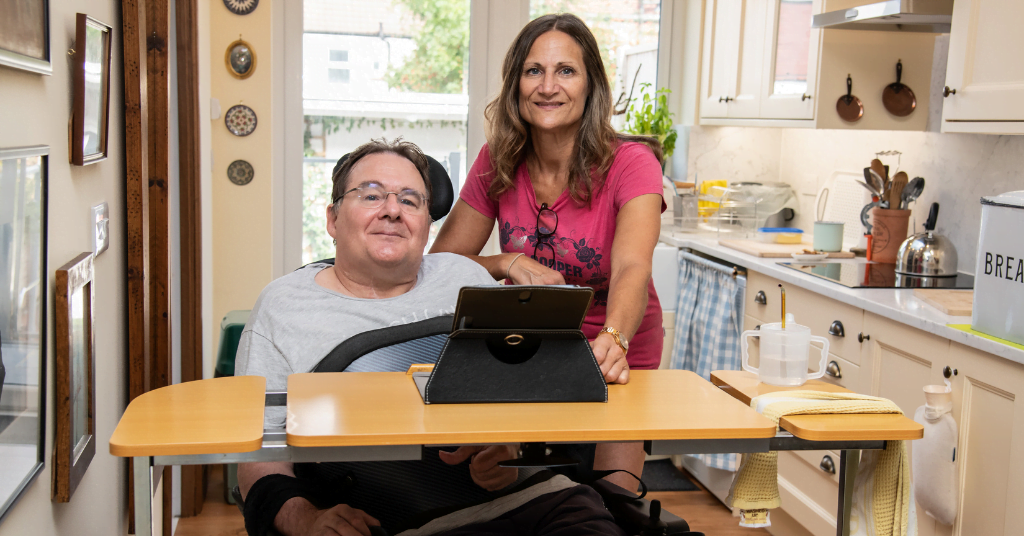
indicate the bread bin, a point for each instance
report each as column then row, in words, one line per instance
column 999, row 272
column 927, row 254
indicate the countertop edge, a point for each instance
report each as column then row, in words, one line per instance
column 877, row 301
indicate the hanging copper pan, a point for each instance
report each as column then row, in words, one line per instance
column 897, row 97
column 849, row 108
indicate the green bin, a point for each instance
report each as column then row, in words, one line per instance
column 230, row 332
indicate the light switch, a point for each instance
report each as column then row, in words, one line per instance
column 100, row 229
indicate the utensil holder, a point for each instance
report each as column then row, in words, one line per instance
column 888, row 231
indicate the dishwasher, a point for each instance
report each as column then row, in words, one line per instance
column 708, row 323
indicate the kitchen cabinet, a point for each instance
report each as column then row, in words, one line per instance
column 763, row 65
column 984, row 75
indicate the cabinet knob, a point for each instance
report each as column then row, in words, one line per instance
column 828, row 465
column 947, row 92
column 862, row 337
column 833, row 370
column 948, row 372
column 761, row 298
column 805, row 97
column 836, row 329
column 725, row 99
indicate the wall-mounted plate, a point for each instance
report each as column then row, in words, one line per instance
column 241, row 172
column 240, row 120
column 241, row 7
column 240, row 59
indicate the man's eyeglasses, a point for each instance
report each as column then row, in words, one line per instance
column 371, row 197
column 547, row 222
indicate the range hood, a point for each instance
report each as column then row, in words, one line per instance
column 928, row 16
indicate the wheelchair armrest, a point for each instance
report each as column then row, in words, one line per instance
column 635, row 515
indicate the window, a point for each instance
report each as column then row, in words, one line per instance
column 337, row 76
column 406, row 76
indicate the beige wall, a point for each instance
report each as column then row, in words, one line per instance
column 34, row 109
column 241, row 218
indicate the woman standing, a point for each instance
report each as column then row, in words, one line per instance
column 575, row 202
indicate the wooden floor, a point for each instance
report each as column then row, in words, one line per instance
column 704, row 513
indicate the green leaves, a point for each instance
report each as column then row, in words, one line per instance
column 651, row 117
column 442, row 48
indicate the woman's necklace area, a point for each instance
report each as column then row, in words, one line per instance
column 547, row 188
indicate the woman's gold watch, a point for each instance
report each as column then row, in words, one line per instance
column 619, row 339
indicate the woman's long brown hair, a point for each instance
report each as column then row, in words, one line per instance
column 508, row 136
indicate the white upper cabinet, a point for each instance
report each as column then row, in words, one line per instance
column 721, row 53
column 790, row 65
column 984, row 73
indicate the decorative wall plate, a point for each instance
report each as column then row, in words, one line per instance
column 240, row 59
column 240, row 120
column 241, row 7
column 240, row 172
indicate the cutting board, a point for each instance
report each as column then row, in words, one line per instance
column 775, row 251
column 951, row 302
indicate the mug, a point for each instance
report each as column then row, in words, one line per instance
column 784, row 357
column 828, row 236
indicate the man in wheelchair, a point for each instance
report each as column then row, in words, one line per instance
column 380, row 218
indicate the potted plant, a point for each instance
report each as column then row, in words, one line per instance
column 651, row 117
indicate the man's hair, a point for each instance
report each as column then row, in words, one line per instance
column 406, row 149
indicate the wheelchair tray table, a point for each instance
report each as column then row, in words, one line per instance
column 385, row 408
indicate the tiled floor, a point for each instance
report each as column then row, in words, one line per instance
column 699, row 508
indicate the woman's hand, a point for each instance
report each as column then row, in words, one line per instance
column 526, row 271
column 483, row 465
column 610, row 358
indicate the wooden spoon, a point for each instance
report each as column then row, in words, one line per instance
column 899, row 182
column 878, row 167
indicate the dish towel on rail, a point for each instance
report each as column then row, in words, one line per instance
column 709, row 319
column 883, row 482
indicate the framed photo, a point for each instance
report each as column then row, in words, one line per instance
column 74, row 380
column 240, row 59
column 25, row 35
column 23, row 303
column 92, row 91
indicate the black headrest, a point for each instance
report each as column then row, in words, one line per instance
column 442, row 195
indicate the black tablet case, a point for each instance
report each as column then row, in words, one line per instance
column 518, row 344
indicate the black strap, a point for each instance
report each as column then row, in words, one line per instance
column 265, row 499
column 359, row 345
column 589, row 476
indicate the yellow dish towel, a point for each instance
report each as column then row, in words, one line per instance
column 755, row 489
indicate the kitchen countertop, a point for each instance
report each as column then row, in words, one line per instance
column 896, row 304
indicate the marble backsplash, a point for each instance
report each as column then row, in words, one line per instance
column 958, row 168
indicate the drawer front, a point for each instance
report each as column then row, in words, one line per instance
column 809, row 494
column 850, row 375
column 761, row 285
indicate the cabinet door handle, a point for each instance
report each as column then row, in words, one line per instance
column 725, row 99
column 836, row 329
column 948, row 372
column 761, row 298
column 805, row 97
column 828, row 465
column 833, row 370
column 862, row 337
column 947, row 91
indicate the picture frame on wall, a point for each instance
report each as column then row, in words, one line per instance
column 74, row 380
column 23, row 308
column 91, row 115
column 25, row 35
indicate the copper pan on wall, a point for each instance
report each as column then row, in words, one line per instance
column 849, row 108
column 897, row 97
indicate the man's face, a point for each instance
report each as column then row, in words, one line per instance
column 386, row 236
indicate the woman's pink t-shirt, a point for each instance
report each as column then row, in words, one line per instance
column 582, row 242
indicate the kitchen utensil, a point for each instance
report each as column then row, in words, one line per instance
column 810, row 257
column 849, row 108
column 897, row 98
column 775, row 251
column 877, row 182
column 783, row 289
column 999, row 293
column 888, row 230
column 868, row 180
column 784, row 358
column 950, row 302
column 828, row 236
column 911, row 192
column 899, row 183
column 865, row 213
column 929, row 253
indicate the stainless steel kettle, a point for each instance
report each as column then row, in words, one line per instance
column 929, row 253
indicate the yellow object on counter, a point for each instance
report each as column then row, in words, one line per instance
column 788, row 238
column 707, row 208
